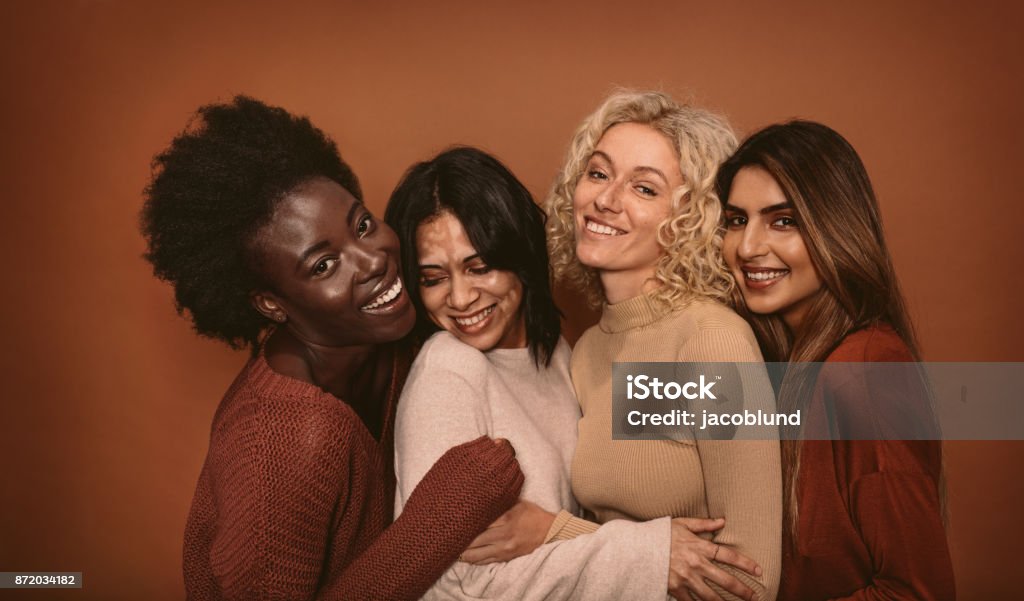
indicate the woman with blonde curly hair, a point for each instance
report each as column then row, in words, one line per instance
column 634, row 223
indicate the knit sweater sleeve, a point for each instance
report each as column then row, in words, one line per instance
column 742, row 478
column 468, row 487
column 284, row 467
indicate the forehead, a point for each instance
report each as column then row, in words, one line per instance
column 754, row 188
column 636, row 144
column 314, row 211
column 443, row 238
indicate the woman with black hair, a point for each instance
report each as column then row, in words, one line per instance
column 259, row 225
column 495, row 365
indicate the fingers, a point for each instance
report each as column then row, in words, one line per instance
column 698, row 525
column 702, row 591
column 491, row 536
column 730, row 556
column 728, row 582
column 479, row 555
column 501, row 442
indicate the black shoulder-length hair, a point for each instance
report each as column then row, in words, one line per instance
column 504, row 224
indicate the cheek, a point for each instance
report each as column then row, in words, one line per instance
column 730, row 241
column 581, row 195
column 507, row 286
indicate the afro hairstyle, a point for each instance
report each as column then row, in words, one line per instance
column 212, row 190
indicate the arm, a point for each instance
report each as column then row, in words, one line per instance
column 900, row 521
column 440, row 408
column 468, row 487
column 280, row 495
column 733, row 469
column 891, row 487
column 567, row 526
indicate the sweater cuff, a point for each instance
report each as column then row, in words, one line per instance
column 567, row 526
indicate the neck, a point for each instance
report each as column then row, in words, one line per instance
column 623, row 285
column 334, row 369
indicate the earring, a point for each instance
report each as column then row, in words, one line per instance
column 281, row 317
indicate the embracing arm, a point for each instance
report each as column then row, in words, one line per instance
column 280, row 496
column 742, row 478
column 466, row 489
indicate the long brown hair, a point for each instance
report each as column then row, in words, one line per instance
column 827, row 184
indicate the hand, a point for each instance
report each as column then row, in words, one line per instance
column 517, row 532
column 692, row 563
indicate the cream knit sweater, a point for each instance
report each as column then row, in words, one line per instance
column 455, row 393
column 645, row 479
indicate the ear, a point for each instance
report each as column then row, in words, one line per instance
column 268, row 306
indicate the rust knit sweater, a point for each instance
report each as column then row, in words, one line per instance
column 295, row 498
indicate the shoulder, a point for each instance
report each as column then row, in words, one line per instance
column 266, row 414
column 446, row 371
column 713, row 332
column 445, row 351
column 874, row 344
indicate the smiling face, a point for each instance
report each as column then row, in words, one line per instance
column 332, row 270
column 463, row 295
column 620, row 200
column 765, row 250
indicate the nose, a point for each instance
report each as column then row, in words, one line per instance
column 753, row 243
column 372, row 262
column 607, row 200
column 463, row 293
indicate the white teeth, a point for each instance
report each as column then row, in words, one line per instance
column 386, row 297
column 468, row 321
column 762, row 276
column 597, row 228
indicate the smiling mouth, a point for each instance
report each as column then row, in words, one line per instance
column 764, row 276
column 386, row 298
column 475, row 318
column 600, row 228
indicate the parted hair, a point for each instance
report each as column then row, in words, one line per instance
column 210, row 192
column 824, row 179
column 691, row 265
column 504, row 224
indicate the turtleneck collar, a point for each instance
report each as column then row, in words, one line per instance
column 636, row 312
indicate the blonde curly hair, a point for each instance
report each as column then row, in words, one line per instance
column 691, row 265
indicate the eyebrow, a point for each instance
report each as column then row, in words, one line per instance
column 310, row 252
column 641, row 169
column 464, row 261
column 325, row 243
column 782, row 206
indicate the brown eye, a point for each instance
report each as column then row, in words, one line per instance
column 365, row 225
column 323, row 266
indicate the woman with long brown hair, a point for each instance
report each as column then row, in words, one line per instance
column 863, row 519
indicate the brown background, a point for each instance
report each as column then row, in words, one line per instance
column 108, row 395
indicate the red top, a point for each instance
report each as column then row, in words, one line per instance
column 870, row 524
column 295, row 498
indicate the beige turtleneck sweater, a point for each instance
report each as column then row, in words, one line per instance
column 647, row 479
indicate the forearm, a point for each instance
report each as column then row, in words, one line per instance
column 567, row 526
column 589, row 566
column 467, row 489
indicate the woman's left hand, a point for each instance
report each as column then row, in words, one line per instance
column 517, row 532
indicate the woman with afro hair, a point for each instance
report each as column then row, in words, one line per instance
column 259, row 225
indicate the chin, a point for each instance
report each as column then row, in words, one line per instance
column 590, row 257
